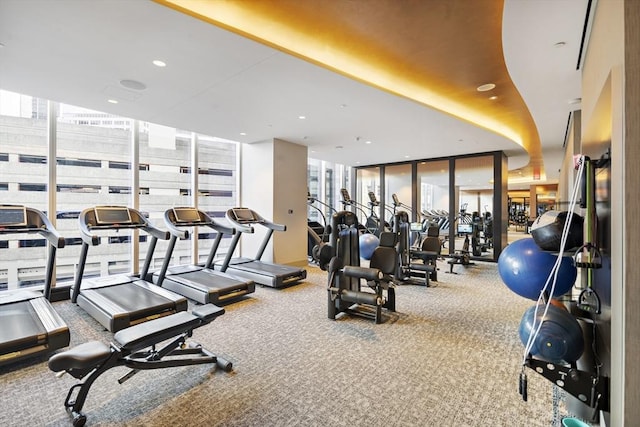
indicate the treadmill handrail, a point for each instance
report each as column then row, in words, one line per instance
column 242, row 227
column 205, row 221
column 176, row 233
column 86, row 220
column 258, row 219
column 88, row 225
column 37, row 222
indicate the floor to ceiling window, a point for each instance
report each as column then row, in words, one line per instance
column 367, row 199
column 90, row 151
column 324, row 182
column 474, row 194
column 433, row 197
column 93, row 166
column 463, row 197
column 217, row 188
column 23, row 171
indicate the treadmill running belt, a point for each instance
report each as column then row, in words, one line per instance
column 136, row 300
column 20, row 327
column 208, row 279
column 265, row 268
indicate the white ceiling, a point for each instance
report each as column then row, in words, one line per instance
column 221, row 84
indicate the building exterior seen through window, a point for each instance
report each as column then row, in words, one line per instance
column 93, row 166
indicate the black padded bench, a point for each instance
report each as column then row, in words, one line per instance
column 135, row 347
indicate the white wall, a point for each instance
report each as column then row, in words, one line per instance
column 274, row 184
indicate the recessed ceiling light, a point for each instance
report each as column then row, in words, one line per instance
column 486, row 87
column 159, row 63
column 406, row 157
column 112, row 101
column 302, row 117
column 493, row 98
column 559, row 44
column 133, row 84
column 367, row 142
column 243, row 133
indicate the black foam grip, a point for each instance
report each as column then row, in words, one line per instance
column 363, row 272
column 360, row 297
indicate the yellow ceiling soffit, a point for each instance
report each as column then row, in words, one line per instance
column 433, row 52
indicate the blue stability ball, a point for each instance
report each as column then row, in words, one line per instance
column 368, row 243
column 560, row 337
column 524, row 268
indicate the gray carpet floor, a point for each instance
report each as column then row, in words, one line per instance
column 449, row 356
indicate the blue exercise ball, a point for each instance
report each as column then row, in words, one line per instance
column 560, row 337
column 524, row 268
column 368, row 243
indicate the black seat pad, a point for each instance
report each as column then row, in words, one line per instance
column 83, row 356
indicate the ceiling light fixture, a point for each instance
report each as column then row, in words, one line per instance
column 133, row 84
column 302, row 117
column 159, row 63
column 243, row 133
column 367, row 142
column 560, row 44
column 493, row 98
column 486, row 87
column 112, row 101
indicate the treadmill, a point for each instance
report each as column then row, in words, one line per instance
column 199, row 283
column 264, row 273
column 30, row 325
column 123, row 300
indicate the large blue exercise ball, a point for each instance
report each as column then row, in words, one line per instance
column 560, row 337
column 368, row 243
column 524, row 268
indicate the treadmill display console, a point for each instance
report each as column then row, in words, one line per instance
column 243, row 215
column 112, row 215
column 13, row 216
column 415, row 226
column 465, row 228
column 186, row 215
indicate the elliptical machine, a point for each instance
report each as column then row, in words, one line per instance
column 372, row 223
column 318, row 234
